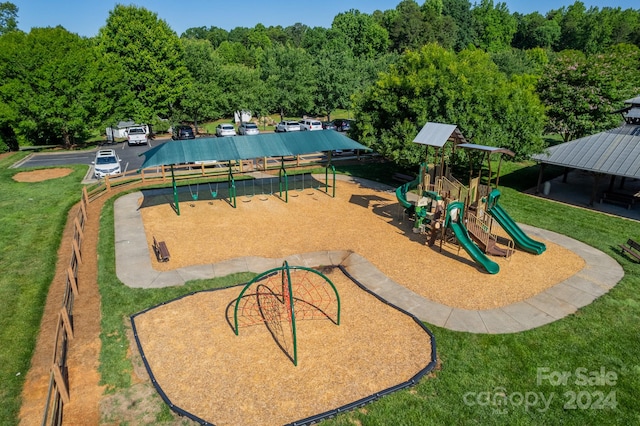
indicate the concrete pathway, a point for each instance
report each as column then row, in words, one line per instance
column 601, row 273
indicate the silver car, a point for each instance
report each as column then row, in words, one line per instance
column 248, row 129
column 225, row 130
column 106, row 163
column 288, row 126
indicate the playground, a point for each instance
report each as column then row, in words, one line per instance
column 334, row 360
column 451, row 244
column 365, row 220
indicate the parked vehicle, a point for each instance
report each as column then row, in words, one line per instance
column 328, row 125
column 183, row 132
column 288, row 126
column 342, row 125
column 248, row 128
column 310, row 124
column 106, row 163
column 225, row 130
column 137, row 136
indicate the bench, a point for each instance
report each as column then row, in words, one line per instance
column 400, row 177
column 161, row 250
column 618, row 198
column 632, row 247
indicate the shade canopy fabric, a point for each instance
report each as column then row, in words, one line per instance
column 247, row 147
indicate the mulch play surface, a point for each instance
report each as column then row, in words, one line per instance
column 208, row 371
column 360, row 219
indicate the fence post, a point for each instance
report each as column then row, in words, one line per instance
column 60, row 383
column 76, row 249
column 83, row 206
column 85, row 194
column 78, row 228
column 72, row 280
column 66, row 321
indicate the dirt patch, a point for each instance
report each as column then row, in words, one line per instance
column 41, row 175
column 366, row 221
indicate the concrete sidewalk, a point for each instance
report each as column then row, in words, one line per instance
column 601, row 273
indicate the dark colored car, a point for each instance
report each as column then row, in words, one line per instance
column 183, row 132
column 342, row 125
column 328, row 125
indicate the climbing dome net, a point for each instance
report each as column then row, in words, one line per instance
column 279, row 297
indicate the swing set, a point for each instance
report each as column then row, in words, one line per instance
column 283, row 188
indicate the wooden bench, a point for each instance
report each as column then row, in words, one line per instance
column 618, row 198
column 632, row 247
column 161, row 250
column 400, row 177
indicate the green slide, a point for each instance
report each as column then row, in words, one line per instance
column 462, row 235
column 522, row 240
column 401, row 193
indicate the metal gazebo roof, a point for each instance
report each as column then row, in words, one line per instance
column 247, row 147
column 614, row 152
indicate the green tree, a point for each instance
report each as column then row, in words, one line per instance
column 494, row 26
column 215, row 35
column 435, row 84
column 201, row 99
column 336, row 81
column 534, row 30
column 152, row 57
column 408, row 30
column 365, row 36
column 462, row 22
column 8, row 17
column 572, row 25
column 290, row 80
column 55, row 92
column 581, row 91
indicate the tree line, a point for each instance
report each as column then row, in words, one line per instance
column 505, row 79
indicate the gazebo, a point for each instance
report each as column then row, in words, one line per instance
column 614, row 153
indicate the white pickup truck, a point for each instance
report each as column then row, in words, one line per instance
column 138, row 135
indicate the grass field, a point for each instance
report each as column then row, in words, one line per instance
column 482, row 379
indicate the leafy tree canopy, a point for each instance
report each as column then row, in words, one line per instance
column 54, row 92
column 466, row 89
column 8, row 17
column 581, row 91
column 152, row 58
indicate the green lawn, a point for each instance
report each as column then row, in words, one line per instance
column 31, row 223
column 482, row 379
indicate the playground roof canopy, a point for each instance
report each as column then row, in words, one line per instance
column 437, row 134
column 489, row 149
column 247, row 147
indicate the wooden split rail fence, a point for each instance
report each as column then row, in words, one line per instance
column 58, row 392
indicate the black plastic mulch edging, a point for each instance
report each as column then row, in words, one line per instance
column 318, row 417
column 366, row 400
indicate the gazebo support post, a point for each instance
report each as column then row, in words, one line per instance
column 564, row 175
column 175, row 191
column 612, row 182
column 594, row 190
column 540, row 174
